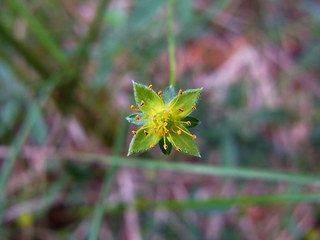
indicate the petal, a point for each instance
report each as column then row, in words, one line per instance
column 185, row 142
column 132, row 119
column 168, row 94
column 141, row 142
column 152, row 102
column 185, row 101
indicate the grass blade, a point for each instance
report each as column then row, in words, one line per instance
column 203, row 169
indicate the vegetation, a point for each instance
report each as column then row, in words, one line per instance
column 66, row 71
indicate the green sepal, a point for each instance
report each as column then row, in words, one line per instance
column 141, row 143
column 186, row 100
column 168, row 94
column 132, row 119
column 161, row 144
column 150, row 98
column 194, row 122
column 185, row 142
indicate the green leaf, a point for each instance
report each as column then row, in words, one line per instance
column 185, row 101
column 153, row 103
column 132, row 119
column 168, row 94
column 141, row 142
column 161, row 143
column 185, row 142
column 194, row 121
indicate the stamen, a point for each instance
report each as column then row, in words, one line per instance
column 150, row 86
column 166, row 130
column 185, row 132
column 188, row 122
column 180, row 92
column 174, row 143
column 160, row 93
column 134, row 108
column 137, row 117
column 192, row 108
column 151, row 146
column 181, row 110
column 165, row 147
column 145, row 133
column 179, row 132
column 178, row 149
column 134, row 132
column 194, row 136
column 165, row 124
column 142, row 104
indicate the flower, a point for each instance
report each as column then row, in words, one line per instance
column 164, row 119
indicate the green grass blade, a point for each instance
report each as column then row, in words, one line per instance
column 101, row 206
column 286, row 198
column 203, row 169
column 40, row 31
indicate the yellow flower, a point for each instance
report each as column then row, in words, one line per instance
column 164, row 119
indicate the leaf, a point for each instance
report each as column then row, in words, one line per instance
column 161, row 144
column 194, row 122
column 141, row 142
column 185, row 101
column 185, row 142
column 152, row 102
column 132, row 119
column 168, row 94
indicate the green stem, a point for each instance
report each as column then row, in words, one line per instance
column 171, row 44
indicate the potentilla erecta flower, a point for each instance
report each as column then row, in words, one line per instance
column 164, row 120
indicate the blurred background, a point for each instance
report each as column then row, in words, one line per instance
column 65, row 87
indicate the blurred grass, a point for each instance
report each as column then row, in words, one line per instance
column 77, row 67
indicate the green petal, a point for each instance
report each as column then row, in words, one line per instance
column 185, row 142
column 168, row 94
column 186, row 100
column 152, row 101
column 194, row 121
column 132, row 119
column 141, row 143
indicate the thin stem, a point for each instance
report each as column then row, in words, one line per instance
column 171, row 43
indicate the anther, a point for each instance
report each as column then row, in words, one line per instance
column 194, row 136
column 137, row 117
column 142, row 103
column 151, row 146
column 165, row 124
column 160, row 93
column 180, row 92
column 189, row 123
column 179, row 132
column 150, row 86
column 145, row 132
column 180, row 109
column 178, row 149
column 166, row 130
column 132, row 107
column 194, row 108
column 165, row 147
column 134, row 132
column 155, row 129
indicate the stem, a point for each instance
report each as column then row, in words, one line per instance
column 171, row 43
